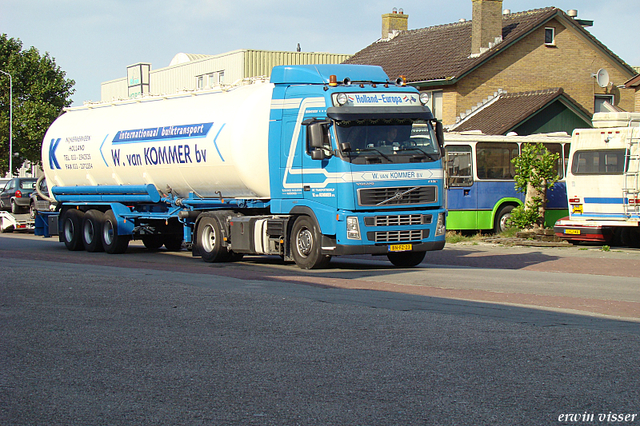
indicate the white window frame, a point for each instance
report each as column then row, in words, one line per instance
column 553, row 36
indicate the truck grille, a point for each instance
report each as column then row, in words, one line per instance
column 404, row 195
column 398, row 236
column 398, row 220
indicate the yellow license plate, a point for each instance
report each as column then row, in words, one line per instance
column 576, row 208
column 572, row 231
column 400, row 247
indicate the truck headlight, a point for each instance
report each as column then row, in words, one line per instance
column 441, row 228
column 353, row 228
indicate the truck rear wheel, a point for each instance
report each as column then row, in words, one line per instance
column 92, row 230
column 406, row 259
column 112, row 242
column 305, row 245
column 209, row 243
column 72, row 229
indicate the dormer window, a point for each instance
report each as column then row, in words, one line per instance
column 550, row 36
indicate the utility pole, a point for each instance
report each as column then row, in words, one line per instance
column 10, row 122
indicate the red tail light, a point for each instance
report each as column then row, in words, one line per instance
column 18, row 194
column 574, row 200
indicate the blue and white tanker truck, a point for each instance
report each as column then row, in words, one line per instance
column 322, row 160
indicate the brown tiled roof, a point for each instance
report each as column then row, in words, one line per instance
column 511, row 109
column 443, row 52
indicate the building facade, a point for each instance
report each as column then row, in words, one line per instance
column 188, row 72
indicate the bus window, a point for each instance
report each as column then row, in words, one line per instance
column 459, row 165
column 556, row 148
column 603, row 162
column 494, row 160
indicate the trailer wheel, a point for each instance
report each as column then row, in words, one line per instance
column 305, row 245
column 209, row 243
column 406, row 259
column 501, row 219
column 112, row 242
column 72, row 229
column 92, row 230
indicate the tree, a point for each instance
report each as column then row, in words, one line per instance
column 40, row 92
column 535, row 173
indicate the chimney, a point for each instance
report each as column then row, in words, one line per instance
column 393, row 23
column 486, row 25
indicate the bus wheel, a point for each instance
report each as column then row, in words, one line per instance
column 406, row 259
column 112, row 242
column 209, row 243
column 72, row 229
column 92, row 230
column 501, row 219
column 305, row 245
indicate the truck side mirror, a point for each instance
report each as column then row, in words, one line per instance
column 318, row 154
column 440, row 134
column 318, row 140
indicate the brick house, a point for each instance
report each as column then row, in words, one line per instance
column 468, row 65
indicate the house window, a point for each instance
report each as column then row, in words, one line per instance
column 200, row 85
column 550, row 36
column 600, row 103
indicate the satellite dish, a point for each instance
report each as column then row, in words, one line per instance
column 602, row 77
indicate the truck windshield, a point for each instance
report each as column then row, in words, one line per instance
column 387, row 141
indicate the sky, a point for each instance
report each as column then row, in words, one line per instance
column 94, row 41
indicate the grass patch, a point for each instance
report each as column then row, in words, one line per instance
column 454, row 237
column 509, row 233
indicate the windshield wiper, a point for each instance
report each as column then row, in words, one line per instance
column 415, row 148
column 376, row 150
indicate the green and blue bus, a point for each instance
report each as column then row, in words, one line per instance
column 480, row 179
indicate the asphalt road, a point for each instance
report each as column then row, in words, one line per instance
column 159, row 338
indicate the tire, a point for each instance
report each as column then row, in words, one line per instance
column 209, row 243
column 14, row 208
column 92, row 231
column 72, row 229
column 111, row 241
column 305, row 244
column 32, row 211
column 152, row 241
column 500, row 224
column 406, row 259
column 173, row 242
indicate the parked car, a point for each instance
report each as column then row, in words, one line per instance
column 15, row 195
column 37, row 202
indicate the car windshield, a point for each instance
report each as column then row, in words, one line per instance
column 387, row 141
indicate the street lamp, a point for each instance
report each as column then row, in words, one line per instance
column 10, row 122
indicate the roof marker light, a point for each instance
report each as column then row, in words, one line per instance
column 333, row 80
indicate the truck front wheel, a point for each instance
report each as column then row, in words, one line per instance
column 305, row 244
column 112, row 242
column 209, row 243
column 72, row 229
